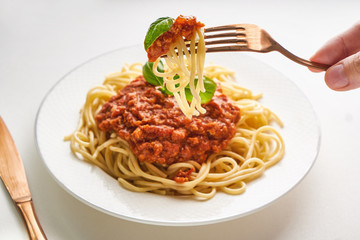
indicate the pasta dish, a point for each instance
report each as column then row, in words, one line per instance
column 174, row 126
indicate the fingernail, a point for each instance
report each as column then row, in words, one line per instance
column 336, row 78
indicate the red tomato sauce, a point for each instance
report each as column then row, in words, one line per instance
column 157, row 130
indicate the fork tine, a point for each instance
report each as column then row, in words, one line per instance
column 231, row 48
column 229, row 34
column 225, row 27
column 226, row 41
column 223, row 41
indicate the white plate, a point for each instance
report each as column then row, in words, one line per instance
column 59, row 113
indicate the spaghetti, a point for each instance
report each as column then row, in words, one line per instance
column 255, row 147
column 183, row 64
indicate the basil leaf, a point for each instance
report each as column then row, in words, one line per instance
column 157, row 28
column 210, row 88
column 149, row 74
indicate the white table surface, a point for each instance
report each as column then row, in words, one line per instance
column 41, row 40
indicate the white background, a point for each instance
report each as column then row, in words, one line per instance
column 41, row 40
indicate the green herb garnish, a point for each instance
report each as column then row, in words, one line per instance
column 210, row 88
column 149, row 74
column 157, row 28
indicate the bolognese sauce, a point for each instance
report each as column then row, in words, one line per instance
column 184, row 26
column 157, row 130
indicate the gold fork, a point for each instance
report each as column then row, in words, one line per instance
column 249, row 37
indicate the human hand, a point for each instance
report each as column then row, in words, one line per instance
column 343, row 53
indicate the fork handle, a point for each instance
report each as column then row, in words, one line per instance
column 34, row 229
column 299, row 60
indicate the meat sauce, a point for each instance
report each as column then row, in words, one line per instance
column 157, row 130
column 182, row 27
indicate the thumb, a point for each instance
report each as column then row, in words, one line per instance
column 344, row 75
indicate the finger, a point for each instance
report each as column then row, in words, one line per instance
column 344, row 75
column 339, row 47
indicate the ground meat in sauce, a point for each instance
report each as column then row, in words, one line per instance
column 157, row 130
column 182, row 27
